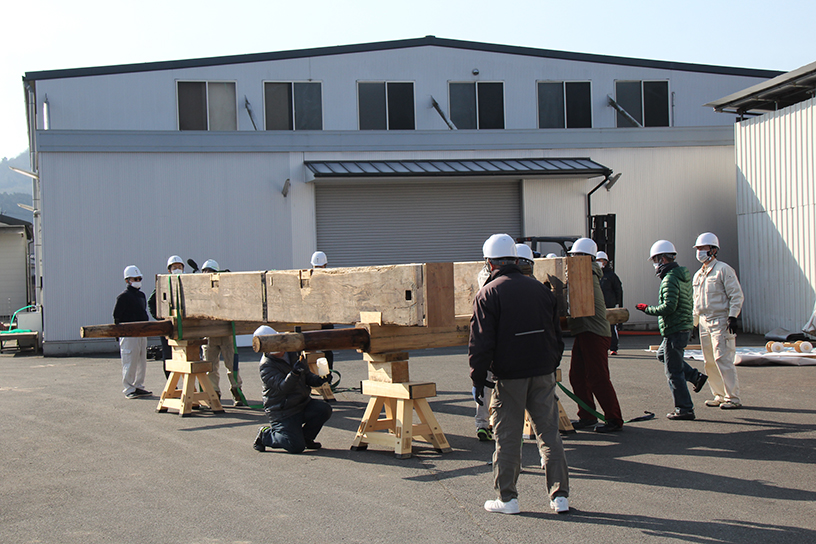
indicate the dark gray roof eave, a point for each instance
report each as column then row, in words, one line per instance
column 396, row 44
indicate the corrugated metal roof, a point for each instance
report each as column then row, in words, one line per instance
column 522, row 168
column 772, row 95
column 397, row 44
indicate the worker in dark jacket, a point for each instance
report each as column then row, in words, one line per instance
column 295, row 417
column 515, row 333
column 131, row 306
column 674, row 319
column 613, row 294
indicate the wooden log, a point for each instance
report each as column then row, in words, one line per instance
column 439, row 295
column 354, row 338
column 136, row 328
column 389, row 338
column 617, row 315
column 580, row 284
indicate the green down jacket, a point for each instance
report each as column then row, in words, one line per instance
column 675, row 302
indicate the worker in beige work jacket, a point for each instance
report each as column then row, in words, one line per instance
column 717, row 304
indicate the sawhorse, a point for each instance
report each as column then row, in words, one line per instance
column 186, row 366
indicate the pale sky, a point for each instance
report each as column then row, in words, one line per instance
column 51, row 35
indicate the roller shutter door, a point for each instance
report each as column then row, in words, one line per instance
column 360, row 224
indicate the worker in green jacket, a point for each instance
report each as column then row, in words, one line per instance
column 675, row 321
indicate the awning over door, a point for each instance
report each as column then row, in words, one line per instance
column 513, row 168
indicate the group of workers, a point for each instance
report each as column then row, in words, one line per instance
column 514, row 349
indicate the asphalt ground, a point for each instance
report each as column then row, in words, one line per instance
column 80, row 463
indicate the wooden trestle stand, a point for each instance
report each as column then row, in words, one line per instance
column 187, row 367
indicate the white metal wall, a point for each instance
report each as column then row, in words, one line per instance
column 147, row 100
column 776, row 207
column 13, row 269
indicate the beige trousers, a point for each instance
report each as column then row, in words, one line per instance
column 215, row 348
column 720, row 351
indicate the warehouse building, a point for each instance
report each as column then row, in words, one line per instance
column 392, row 152
column 775, row 150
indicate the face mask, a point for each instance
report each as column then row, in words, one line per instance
column 177, row 271
column 601, row 264
column 702, row 255
column 656, row 266
column 136, row 284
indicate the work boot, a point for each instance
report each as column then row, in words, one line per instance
column 677, row 414
column 715, row 402
column 259, row 445
column 731, row 405
column 312, row 445
column 583, row 424
column 609, row 428
column 700, row 382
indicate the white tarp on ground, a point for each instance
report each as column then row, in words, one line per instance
column 759, row 356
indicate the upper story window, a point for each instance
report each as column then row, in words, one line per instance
column 207, row 105
column 477, row 104
column 564, row 104
column 293, row 106
column 386, row 105
column 646, row 101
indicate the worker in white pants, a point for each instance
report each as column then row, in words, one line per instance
column 215, row 348
column 134, row 366
column 718, row 302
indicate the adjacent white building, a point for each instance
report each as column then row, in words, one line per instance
column 15, row 290
column 775, row 150
column 392, row 152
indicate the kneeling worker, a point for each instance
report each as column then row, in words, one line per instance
column 295, row 417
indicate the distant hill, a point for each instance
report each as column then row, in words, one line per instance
column 15, row 188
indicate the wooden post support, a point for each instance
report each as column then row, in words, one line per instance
column 325, row 389
column 564, row 423
column 187, row 367
column 391, row 391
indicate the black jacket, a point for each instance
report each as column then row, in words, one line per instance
column 130, row 306
column 515, row 331
column 285, row 393
column 612, row 288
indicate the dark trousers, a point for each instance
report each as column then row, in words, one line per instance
column 296, row 431
column 678, row 371
column 589, row 377
column 613, row 343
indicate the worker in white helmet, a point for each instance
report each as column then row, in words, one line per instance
column 131, row 306
column 218, row 346
column 515, row 333
column 174, row 266
column 295, row 418
column 589, row 364
column 613, row 294
column 718, row 302
column 674, row 318
column 319, row 260
column 525, row 256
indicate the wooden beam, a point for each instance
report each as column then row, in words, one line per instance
column 354, row 338
column 389, row 338
column 137, row 328
column 439, row 295
column 581, row 287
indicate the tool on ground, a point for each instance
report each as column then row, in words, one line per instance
column 646, row 417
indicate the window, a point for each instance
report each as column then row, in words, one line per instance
column 207, row 105
column 477, row 105
column 386, row 105
column 564, row 104
column 646, row 101
column 293, row 106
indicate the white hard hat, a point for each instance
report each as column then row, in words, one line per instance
column 319, row 259
column 660, row 247
column 552, row 256
column 264, row 330
column 174, row 259
column 499, row 246
column 707, row 239
column 211, row 264
column 584, row 245
column 524, row 252
column 132, row 271
column 602, row 255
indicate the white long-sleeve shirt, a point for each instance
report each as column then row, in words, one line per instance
column 717, row 291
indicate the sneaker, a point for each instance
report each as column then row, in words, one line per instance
column 498, row 505
column 677, row 414
column 313, row 445
column 259, row 445
column 143, row 392
column 608, row 428
column 731, row 405
column 132, row 395
column 700, row 382
column 484, row 435
column 714, row 402
column 613, row 352
column 560, row 505
column 238, row 402
column 583, row 424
